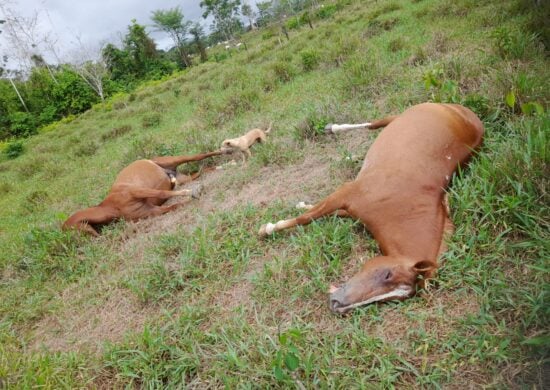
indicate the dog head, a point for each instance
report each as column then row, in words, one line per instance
column 381, row 279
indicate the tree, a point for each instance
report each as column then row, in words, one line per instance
column 138, row 58
column 198, row 35
column 89, row 63
column 225, row 15
column 264, row 8
column 25, row 38
column 250, row 14
column 172, row 22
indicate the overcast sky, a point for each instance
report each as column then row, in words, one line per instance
column 98, row 20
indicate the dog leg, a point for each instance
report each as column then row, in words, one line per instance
column 333, row 203
column 173, row 162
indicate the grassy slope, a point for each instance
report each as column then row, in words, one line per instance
column 194, row 297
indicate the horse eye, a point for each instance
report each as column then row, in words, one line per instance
column 388, row 275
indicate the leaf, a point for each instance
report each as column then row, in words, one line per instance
column 291, row 361
column 531, row 108
column 511, row 99
column 543, row 341
column 278, row 372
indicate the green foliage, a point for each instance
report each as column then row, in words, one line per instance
column 14, row 149
column 442, row 89
column 326, row 11
column 22, row 124
column 312, row 127
column 293, row 23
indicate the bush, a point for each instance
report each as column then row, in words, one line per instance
column 293, row 23
column 14, row 149
column 23, row 124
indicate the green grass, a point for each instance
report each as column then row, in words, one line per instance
column 195, row 298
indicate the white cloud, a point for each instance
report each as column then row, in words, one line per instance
column 95, row 21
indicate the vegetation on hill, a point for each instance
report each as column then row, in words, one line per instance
column 194, row 298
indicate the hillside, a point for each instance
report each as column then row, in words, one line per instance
column 196, row 298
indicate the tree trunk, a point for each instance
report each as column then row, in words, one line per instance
column 18, row 94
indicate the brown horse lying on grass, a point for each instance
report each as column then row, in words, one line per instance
column 138, row 192
column 399, row 195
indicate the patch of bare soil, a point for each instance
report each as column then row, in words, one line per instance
column 100, row 319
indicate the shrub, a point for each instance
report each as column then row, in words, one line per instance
column 23, row 124
column 14, row 149
column 310, row 59
column 293, row 23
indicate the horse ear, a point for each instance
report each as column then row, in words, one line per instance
column 426, row 268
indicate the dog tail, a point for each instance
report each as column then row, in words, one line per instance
column 269, row 128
